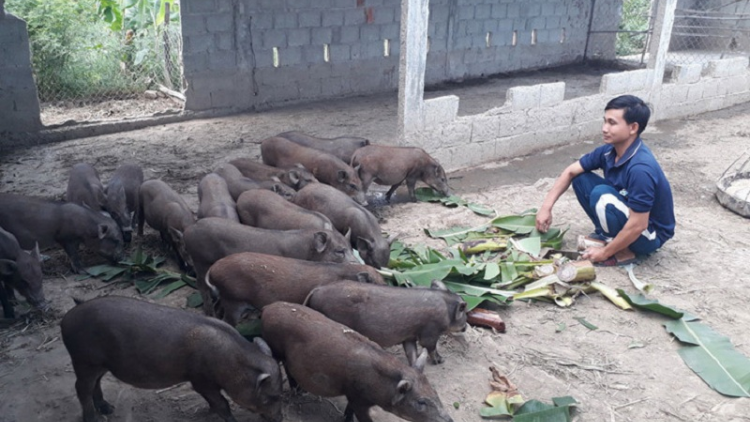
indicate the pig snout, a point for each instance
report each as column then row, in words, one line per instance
column 359, row 197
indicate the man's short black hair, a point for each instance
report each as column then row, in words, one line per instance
column 636, row 110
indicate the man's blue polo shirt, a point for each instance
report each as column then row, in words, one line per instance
column 640, row 179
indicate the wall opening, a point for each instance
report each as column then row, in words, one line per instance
column 276, row 57
column 533, row 37
column 488, row 39
column 326, row 53
column 386, row 47
column 514, row 40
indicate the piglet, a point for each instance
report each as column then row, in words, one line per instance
column 166, row 212
column 122, row 197
column 215, row 200
column 342, row 147
column 330, row 359
column 85, row 188
column 386, row 165
column 154, row 346
column 19, row 270
column 265, row 209
column 296, row 176
column 391, row 315
column 237, row 183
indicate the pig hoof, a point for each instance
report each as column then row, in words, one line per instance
column 106, row 408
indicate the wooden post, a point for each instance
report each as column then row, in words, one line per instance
column 412, row 63
column 660, row 38
column 167, row 49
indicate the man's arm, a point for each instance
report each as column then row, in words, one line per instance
column 636, row 224
column 544, row 216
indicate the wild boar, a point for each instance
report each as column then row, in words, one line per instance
column 85, row 188
column 392, row 165
column 264, row 209
column 47, row 223
column 122, row 197
column 237, row 183
column 329, row 359
column 325, row 167
column 153, row 346
column 393, row 315
column 249, row 279
column 296, row 176
column 211, row 239
column 342, row 147
column 166, row 212
column 345, row 214
column 19, row 270
column 215, row 200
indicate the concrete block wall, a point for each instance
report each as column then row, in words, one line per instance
column 246, row 54
column 19, row 103
column 537, row 117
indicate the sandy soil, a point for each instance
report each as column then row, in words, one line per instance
column 701, row 270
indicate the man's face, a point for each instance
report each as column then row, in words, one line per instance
column 615, row 129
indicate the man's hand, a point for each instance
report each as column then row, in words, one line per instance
column 543, row 220
column 595, row 254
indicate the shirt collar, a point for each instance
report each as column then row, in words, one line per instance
column 629, row 153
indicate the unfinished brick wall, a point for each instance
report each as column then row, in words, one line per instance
column 19, row 104
column 257, row 53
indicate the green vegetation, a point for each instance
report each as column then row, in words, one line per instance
column 635, row 14
column 99, row 49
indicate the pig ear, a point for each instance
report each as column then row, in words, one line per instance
column 294, row 176
column 348, row 235
column 460, row 310
column 402, row 388
column 421, row 361
column 261, row 378
column 8, row 267
column 364, row 277
column 35, row 252
column 176, row 234
column 321, row 241
column 437, row 170
column 364, row 244
column 263, row 346
column 276, row 179
column 103, row 230
column 341, row 176
column 438, row 285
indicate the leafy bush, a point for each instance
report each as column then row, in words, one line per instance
column 635, row 15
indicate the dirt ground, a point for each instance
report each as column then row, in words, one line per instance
column 627, row 370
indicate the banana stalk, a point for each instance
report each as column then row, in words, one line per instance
column 483, row 245
column 644, row 288
column 612, row 295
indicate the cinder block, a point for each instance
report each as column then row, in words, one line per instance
column 349, row 35
column 321, row 36
column 369, row 33
column 474, row 27
column 438, row 13
column 309, row 19
column 219, row 22
column 512, row 123
column 499, row 11
column 384, row 15
column 198, row 43
column 222, row 60
column 484, row 128
column 332, row 18
column 372, row 50
column 340, row 53
column 552, row 94
column 711, row 88
column 263, row 58
column 615, row 83
column 354, row 17
column 298, row 37
column 274, row 38
column 224, row 41
column 466, row 12
column 298, row 4
column 284, row 20
column 548, row 8
column 193, row 25
column 471, row 155
column 440, row 111
column 695, row 92
column 727, row 67
column 261, row 20
column 524, row 97
column 456, row 133
column 199, row 7
column 505, row 25
column 391, row 31
column 193, row 63
column 312, row 54
column 483, row 11
column 290, row 56
column 553, row 22
column 223, row 6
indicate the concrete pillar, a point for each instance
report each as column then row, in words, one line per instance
column 659, row 45
column 19, row 103
column 412, row 63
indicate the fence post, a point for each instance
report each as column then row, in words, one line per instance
column 662, row 34
column 167, row 49
column 412, row 63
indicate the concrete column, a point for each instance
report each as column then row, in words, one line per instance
column 659, row 46
column 412, row 63
column 19, row 104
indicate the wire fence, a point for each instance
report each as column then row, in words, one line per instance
column 709, row 30
column 86, row 70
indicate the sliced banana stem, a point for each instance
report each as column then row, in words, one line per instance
column 483, row 245
column 576, row 271
column 542, row 271
column 644, row 288
column 612, row 295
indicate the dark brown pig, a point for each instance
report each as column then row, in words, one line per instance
column 392, row 165
column 215, row 200
column 237, row 183
column 19, row 270
column 211, row 239
column 329, row 359
column 122, row 197
column 166, row 212
column 296, row 177
column 345, row 214
column 265, row 209
column 280, row 152
column 47, row 223
column 394, row 315
column 154, row 346
column 342, row 147
column 85, row 188
column 254, row 280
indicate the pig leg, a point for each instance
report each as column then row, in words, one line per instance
column 232, row 312
column 392, row 190
column 87, row 380
column 411, row 183
column 410, row 347
column 4, row 299
column 359, row 409
column 431, row 345
column 217, row 402
column 104, row 407
column 71, row 248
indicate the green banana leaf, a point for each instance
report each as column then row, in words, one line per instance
column 641, row 302
column 712, row 357
column 536, row 411
column 430, row 195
